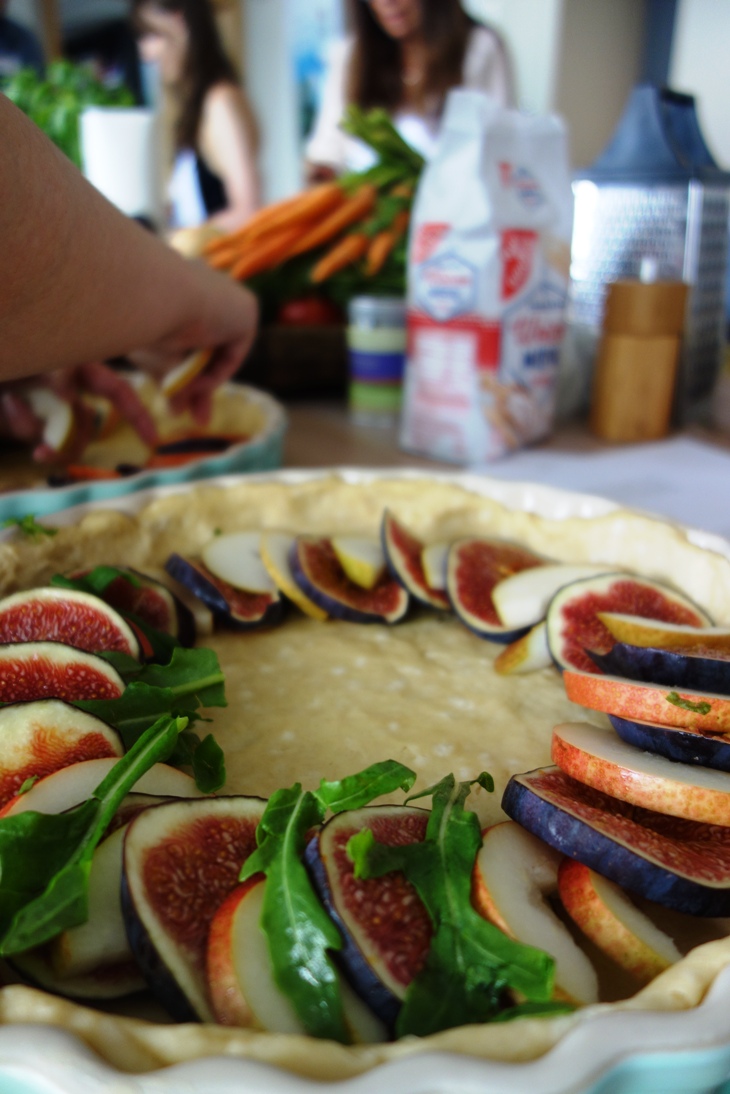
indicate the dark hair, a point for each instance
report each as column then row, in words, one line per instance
column 206, row 63
column 375, row 70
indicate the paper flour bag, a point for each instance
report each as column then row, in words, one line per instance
column 487, row 283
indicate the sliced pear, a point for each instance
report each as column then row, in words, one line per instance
column 362, row 559
column 612, row 921
column 275, row 548
column 526, row 654
column 639, row 631
column 434, row 559
column 522, row 599
column 184, row 373
column 236, row 559
column 514, row 875
column 59, row 422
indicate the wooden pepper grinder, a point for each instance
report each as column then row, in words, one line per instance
column 638, row 355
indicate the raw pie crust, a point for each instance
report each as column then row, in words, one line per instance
column 310, row 700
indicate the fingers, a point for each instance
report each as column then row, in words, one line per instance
column 99, row 379
column 224, row 363
column 18, row 420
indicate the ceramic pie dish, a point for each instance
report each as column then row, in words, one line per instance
column 672, row 1036
column 238, row 409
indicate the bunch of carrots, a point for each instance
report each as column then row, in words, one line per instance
column 359, row 218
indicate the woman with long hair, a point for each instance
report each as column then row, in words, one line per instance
column 214, row 177
column 404, row 55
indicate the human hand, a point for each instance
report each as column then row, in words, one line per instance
column 19, row 419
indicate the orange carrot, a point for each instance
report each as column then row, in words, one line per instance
column 354, row 208
column 383, row 243
column 269, row 252
column 344, row 253
column 300, row 209
column 224, row 258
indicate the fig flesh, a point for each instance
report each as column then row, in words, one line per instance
column 233, row 607
column 152, row 602
column 52, row 670
column 318, row 573
column 404, row 556
column 702, row 671
column 680, row 864
column 241, row 976
column 574, row 626
column 599, row 758
column 383, row 949
column 181, row 860
column 65, row 615
column 682, row 745
column 39, row 737
column 474, row 568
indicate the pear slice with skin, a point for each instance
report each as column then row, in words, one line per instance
column 275, row 548
column 522, row 599
column 612, row 921
column 236, row 559
column 515, row 874
column 527, row 654
column 434, row 559
column 362, row 559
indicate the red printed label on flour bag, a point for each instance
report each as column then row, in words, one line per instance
column 487, row 283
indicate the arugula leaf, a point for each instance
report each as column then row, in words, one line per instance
column 96, row 581
column 685, row 704
column 29, row 526
column 205, row 757
column 45, row 859
column 299, row 931
column 470, row 962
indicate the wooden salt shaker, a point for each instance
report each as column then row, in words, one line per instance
column 637, row 361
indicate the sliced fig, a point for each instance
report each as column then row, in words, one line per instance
column 600, row 758
column 275, row 550
column 515, row 877
column 362, row 559
column 235, row 559
column 109, row 982
column 39, row 737
column 383, row 948
column 200, row 613
column 154, row 603
column 52, row 670
column 234, row 607
column 474, row 568
column 320, row 576
column 526, row 654
column 64, row 615
column 574, row 627
column 638, row 631
column 678, row 863
column 241, row 977
column 181, row 860
column 685, row 746
column 404, row 556
column 69, row 786
column 703, row 711
column 706, row 671
column 522, row 599
column 101, row 941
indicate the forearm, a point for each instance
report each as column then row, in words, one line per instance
column 78, row 280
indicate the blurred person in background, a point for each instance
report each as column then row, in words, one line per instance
column 214, row 178
column 404, row 55
column 19, row 47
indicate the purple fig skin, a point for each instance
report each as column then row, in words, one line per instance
column 579, row 840
column 194, row 577
column 337, row 608
column 669, row 667
column 113, row 982
column 350, row 959
column 680, row 745
column 184, row 629
column 160, row 980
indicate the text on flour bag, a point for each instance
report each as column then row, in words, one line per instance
column 488, row 272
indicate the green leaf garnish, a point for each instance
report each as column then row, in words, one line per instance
column 27, row 784
column 299, row 931
column 685, row 704
column 45, row 859
column 470, row 962
column 29, row 526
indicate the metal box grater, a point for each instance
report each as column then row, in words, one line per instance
column 658, row 195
